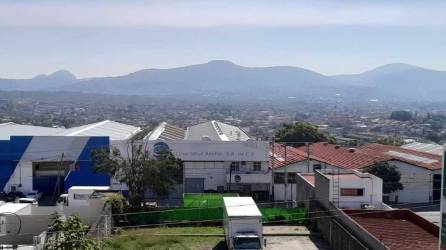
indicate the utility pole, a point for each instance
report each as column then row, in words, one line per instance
column 230, row 177
column 286, row 177
column 57, row 186
column 272, row 169
column 308, row 156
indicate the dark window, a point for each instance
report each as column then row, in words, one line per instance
column 220, row 189
column 317, row 167
column 352, row 191
column 257, row 166
column 279, row 178
column 292, row 177
column 235, row 166
column 243, row 163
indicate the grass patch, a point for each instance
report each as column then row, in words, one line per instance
column 144, row 239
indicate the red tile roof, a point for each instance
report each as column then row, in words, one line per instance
column 292, row 155
column 404, row 155
column 342, row 157
column 310, row 179
column 398, row 229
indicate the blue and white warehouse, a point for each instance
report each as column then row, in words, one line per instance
column 51, row 160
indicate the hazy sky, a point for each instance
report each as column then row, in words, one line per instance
column 101, row 38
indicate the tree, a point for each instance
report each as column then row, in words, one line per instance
column 140, row 170
column 69, row 234
column 389, row 174
column 301, row 132
column 392, row 140
column 401, row 115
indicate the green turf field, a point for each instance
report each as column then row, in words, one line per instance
column 205, row 200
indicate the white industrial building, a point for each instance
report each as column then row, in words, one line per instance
column 217, row 157
column 114, row 130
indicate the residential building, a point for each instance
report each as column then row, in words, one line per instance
column 420, row 171
column 342, row 188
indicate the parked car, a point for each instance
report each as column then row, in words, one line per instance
column 27, row 200
column 34, row 194
column 12, row 196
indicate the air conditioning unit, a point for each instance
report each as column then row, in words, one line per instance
column 367, row 206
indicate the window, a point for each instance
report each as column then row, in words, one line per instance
column 235, row 166
column 279, row 178
column 257, row 166
column 243, row 163
column 292, row 177
column 352, row 191
column 317, row 167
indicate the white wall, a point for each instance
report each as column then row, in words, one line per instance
column 372, row 186
column 372, row 192
column 214, row 173
column 417, row 183
column 23, row 174
column 279, row 192
column 217, row 173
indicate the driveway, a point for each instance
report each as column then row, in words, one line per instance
column 295, row 242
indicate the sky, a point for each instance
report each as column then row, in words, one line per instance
column 112, row 37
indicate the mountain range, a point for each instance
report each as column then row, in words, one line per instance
column 223, row 78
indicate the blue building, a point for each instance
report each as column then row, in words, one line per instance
column 51, row 160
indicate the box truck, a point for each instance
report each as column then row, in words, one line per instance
column 242, row 222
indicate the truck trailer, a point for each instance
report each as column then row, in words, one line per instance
column 242, row 222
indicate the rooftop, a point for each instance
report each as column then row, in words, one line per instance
column 310, row 178
column 89, row 188
column 410, row 156
column 342, row 157
column 166, row 132
column 241, row 206
column 13, row 129
column 425, row 147
column 215, row 131
column 115, row 130
column 397, row 229
column 290, row 154
column 12, row 207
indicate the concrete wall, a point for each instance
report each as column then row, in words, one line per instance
column 304, row 192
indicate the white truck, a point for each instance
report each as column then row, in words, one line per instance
column 242, row 222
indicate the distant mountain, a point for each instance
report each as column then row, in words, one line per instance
column 40, row 82
column 223, row 78
column 403, row 81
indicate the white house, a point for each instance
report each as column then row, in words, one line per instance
column 346, row 189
